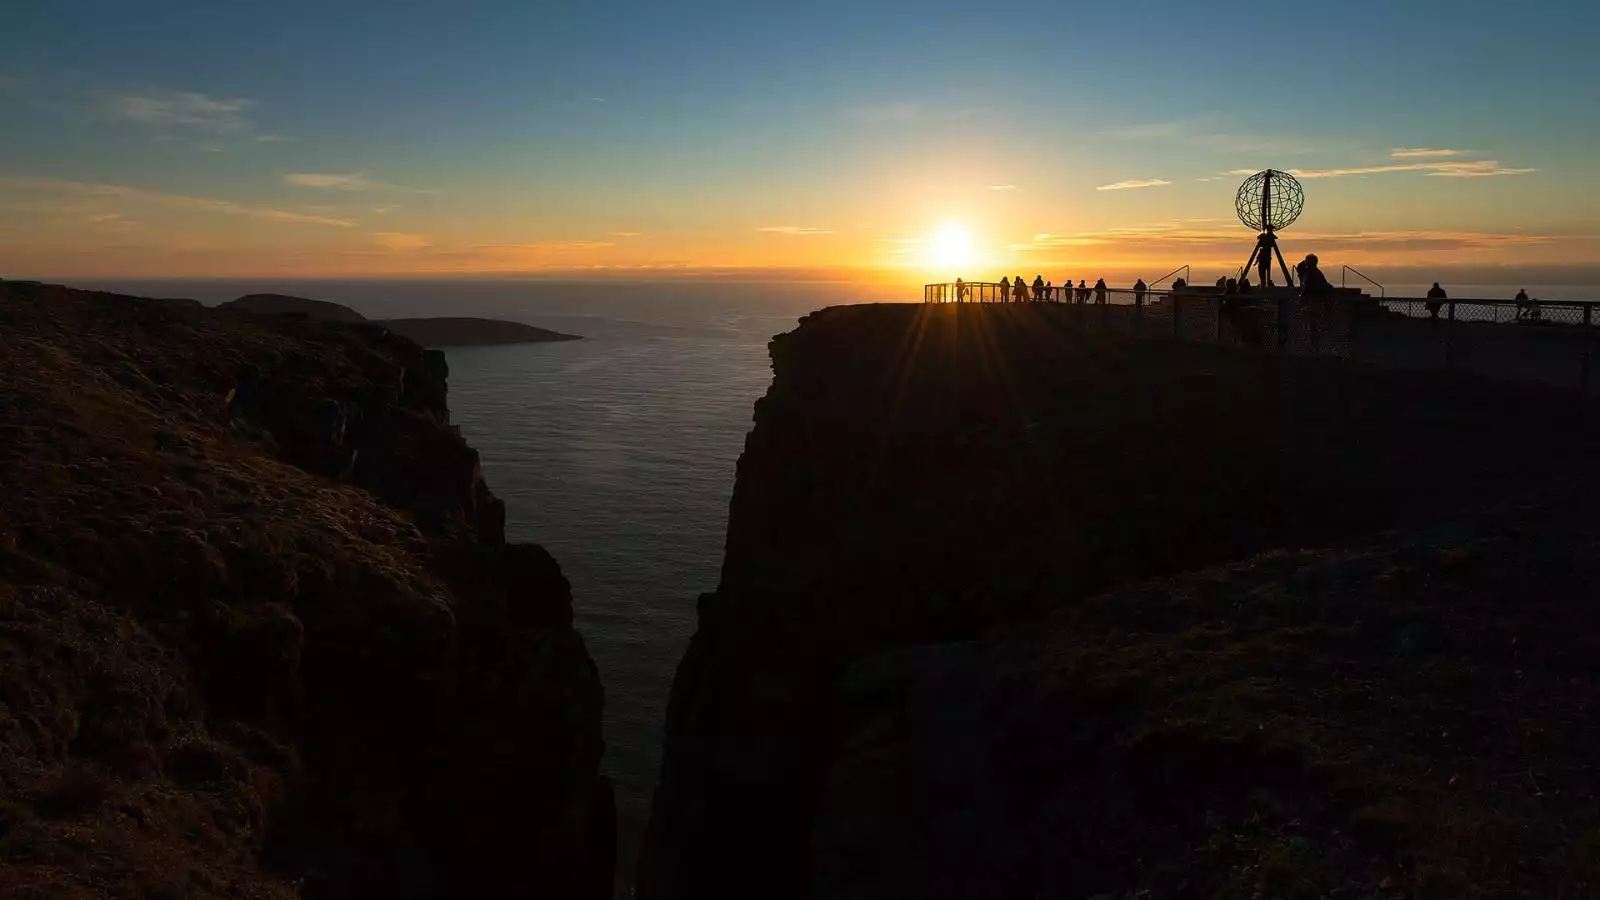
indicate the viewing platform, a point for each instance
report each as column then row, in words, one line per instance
column 1544, row 341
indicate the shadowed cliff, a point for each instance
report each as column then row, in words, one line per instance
column 260, row 631
column 912, row 682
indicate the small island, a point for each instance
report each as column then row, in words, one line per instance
column 439, row 331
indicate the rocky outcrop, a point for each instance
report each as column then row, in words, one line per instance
column 283, row 304
column 905, row 684
column 435, row 331
column 467, row 332
column 261, row 634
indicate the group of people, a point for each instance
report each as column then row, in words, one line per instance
column 1019, row 291
column 1313, row 286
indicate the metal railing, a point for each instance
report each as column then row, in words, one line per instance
column 1543, row 342
column 1359, row 274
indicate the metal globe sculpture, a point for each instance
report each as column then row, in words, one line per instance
column 1267, row 202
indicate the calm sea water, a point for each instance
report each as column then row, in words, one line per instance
column 616, row 452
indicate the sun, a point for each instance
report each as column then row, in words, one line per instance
column 950, row 249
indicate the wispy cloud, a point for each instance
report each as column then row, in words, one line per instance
column 1214, row 133
column 1134, row 183
column 1423, row 153
column 597, row 99
column 271, row 138
column 794, row 230
column 1001, row 187
column 543, row 245
column 399, row 240
column 1481, row 168
column 624, row 234
column 184, row 109
column 347, row 181
column 168, row 201
column 886, row 113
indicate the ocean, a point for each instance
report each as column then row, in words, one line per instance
column 616, row 452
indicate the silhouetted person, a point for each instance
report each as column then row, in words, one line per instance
column 1038, row 288
column 1222, row 283
column 1139, row 289
column 1019, row 290
column 1083, row 292
column 1100, row 291
column 1526, row 309
column 961, row 291
column 1179, row 285
column 1050, row 292
column 1231, row 287
column 1436, row 298
column 1005, row 289
column 1244, row 285
column 1313, row 284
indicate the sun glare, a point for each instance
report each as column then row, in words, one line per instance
column 950, row 249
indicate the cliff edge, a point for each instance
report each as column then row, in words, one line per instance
column 1009, row 609
column 261, row 634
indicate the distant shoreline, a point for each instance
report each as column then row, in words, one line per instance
column 429, row 331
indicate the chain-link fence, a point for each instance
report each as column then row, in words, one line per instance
column 1545, row 342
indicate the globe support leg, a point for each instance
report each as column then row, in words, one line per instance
column 1287, row 278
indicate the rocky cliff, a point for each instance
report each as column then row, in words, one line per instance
column 261, row 634
column 953, row 652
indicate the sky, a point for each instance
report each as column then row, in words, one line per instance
column 856, row 139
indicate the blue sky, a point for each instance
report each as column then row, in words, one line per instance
column 204, row 138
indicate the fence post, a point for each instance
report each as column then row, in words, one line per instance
column 1450, row 337
column 1588, row 343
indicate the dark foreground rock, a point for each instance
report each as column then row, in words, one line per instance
column 913, row 682
column 433, row 331
column 260, row 632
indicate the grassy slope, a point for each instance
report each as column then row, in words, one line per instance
column 219, row 673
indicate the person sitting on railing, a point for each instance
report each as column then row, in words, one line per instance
column 1019, row 290
column 1526, row 309
column 1100, row 291
column 1139, row 289
column 1005, row 289
column 1436, row 298
column 1038, row 288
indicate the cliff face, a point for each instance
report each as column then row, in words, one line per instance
column 906, row 684
column 260, row 632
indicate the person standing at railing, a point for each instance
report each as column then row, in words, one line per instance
column 1083, row 292
column 1139, row 290
column 1038, row 288
column 1100, row 291
column 961, row 291
column 1005, row 289
column 1019, row 290
column 1436, row 298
